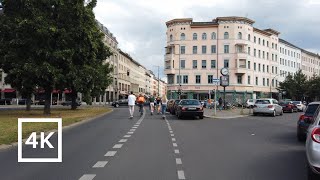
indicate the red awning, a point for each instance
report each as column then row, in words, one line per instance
column 8, row 90
column 67, row 91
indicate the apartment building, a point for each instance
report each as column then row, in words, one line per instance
column 196, row 52
column 310, row 63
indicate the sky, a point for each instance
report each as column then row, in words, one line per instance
column 139, row 25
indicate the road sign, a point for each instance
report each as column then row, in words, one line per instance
column 224, row 81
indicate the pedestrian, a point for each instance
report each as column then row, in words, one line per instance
column 220, row 104
column 151, row 100
column 209, row 104
column 131, row 103
column 164, row 101
column 158, row 101
column 140, row 102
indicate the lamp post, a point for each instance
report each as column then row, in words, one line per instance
column 273, row 83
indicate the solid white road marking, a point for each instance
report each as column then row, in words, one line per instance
column 173, row 139
column 172, row 134
column 100, row 164
column 127, row 136
column 178, row 161
column 181, row 175
column 176, row 151
column 117, row 146
column 87, row 177
column 174, row 144
column 123, row 140
column 130, row 132
column 111, row 153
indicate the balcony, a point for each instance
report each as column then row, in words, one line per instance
column 241, row 66
column 169, row 71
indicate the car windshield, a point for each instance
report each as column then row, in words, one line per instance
column 262, row 101
column 311, row 109
column 190, row 102
column 296, row 102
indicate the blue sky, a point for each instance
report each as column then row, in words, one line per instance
column 139, row 25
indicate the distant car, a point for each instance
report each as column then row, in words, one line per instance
column 313, row 147
column 250, row 103
column 267, row 106
column 174, row 106
column 189, row 107
column 305, row 120
column 288, row 106
column 5, row 101
column 68, row 103
column 120, row 102
column 300, row 105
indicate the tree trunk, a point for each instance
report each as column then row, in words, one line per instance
column 74, row 100
column 28, row 103
column 47, row 102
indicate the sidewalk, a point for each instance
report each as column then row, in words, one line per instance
column 227, row 114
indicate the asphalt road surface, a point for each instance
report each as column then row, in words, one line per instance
column 150, row 148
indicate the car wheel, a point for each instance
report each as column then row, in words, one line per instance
column 301, row 137
column 312, row 175
column 291, row 111
column 274, row 114
column 117, row 105
column 255, row 114
column 281, row 113
column 201, row 117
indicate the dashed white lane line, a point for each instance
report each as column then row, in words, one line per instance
column 172, row 135
column 181, row 175
column 111, row 153
column 117, row 146
column 173, row 139
column 174, row 144
column 100, row 164
column 130, row 132
column 134, row 127
column 123, row 140
column 87, row 177
column 176, row 151
column 127, row 136
column 171, row 132
column 178, row 161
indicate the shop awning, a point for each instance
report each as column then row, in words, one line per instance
column 8, row 90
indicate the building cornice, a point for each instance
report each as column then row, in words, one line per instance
column 234, row 18
column 261, row 31
column 272, row 31
column 183, row 20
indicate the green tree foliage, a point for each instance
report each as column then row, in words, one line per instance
column 295, row 85
column 313, row 90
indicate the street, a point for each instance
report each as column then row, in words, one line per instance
column 150, row 148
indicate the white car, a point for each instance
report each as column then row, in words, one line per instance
column 267, row 106
column 300, row 105
column 250, row 103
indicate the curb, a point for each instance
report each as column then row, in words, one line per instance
column 64, row 128
column 230, row 117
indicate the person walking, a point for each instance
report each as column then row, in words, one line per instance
column 151, row 100
column 220, row 104
column 158, row 103
column 131, row 103
column 140, row 102
column 164, row 102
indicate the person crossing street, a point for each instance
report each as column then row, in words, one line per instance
column 140, row 102
column 131, row 103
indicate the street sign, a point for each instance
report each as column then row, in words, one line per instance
column 224, row 81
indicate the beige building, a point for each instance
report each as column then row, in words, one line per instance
column 203, row 48
column 310, row 63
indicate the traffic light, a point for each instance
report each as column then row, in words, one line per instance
column 128, row 73
column 179, row 91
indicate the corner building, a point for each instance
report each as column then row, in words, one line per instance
column 198, row 50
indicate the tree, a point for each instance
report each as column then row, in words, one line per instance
column 295, row 85
column 313, row 87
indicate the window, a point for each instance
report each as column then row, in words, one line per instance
column 239, row 35
column 249, row 37
column 194, row 36
column 254, row 39
column 226, row 35
column 259, row 41
column 267, row 81
column 267, row 68
column 255, row 66
column 276, row 58
column 263, row 42
column 255, row 53
column 249, row 51
column 267, row 43
column 194, row 64
column 213, row 49
column 170, row 79
column 183, row 64
column 273, row 47
column 182, row 37
column 272, row 70
column 272, row 57
column 210, row 79
column 183, row 50
column 276, row 83
column 198, row 79
column 204, row 36
column 213, row 35
column 213, row 64
column 249, row 79
column 226, row 48
column 259, row 53
column 194, row 49
column 272, row 82
column 257, row 82
column 259, row 67
column 185, row 79
column 171, row 38
column 263, row 81
column 179, row 79
column 263, row 56
column 267, row 56
column 239, row 79
column 249, row 64
column 276, row 70
column 204, row 64
column 263, row 68
column 276, row 46
column 226, row 63
column 204, row 49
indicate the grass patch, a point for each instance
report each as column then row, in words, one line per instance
column 9, row 121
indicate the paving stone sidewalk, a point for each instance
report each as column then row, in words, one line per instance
column 227, row 114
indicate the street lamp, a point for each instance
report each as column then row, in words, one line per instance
column 273, row 83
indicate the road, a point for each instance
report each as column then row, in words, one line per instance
column 150, row 148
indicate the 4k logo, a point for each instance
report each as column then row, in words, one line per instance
column 41, row 142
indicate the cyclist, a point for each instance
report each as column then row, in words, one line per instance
column 151, row 100
column 140, row 102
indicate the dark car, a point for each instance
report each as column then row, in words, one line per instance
column 174, row 106
column 5, row 101
column 68, row 103
column 120, row 102
column 24, row 102
column 305, row 120
column 288, row 106
column 189, row 107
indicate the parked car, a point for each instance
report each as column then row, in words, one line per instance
column 5, row 101
column 305, row 120
column 288, row 106
column 120, row 102
column 24, row 101
column 189, row 107
column 313, row 147
column 300, row 105
column 68, row 103
column 170, row 104
column 250, row 103
column 174, row 106
column 267, row 106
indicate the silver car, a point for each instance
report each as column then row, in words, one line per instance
column 301, row 107
column 313, row 147
column 267, row 106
